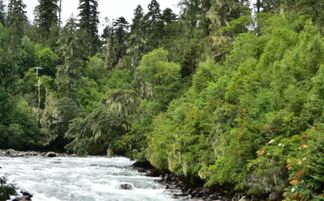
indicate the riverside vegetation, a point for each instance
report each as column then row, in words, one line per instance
column 222, row 93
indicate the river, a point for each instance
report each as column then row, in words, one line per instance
column 82, row 179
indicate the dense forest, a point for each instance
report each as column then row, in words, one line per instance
column 224, row 92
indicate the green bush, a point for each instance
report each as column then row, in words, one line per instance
column 268, row 89
column 6, row 189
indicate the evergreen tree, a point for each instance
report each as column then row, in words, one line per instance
column 17, row 18
column 46, row 17
column 72, row 51
column 116, row 37
column 107, row 36
column 168, row 16
column 137, row 38
column 190, row 15
column 89, row 20
column 154, row 25
column 120, row 27
column 314, row 8
column 60, row 12
column 138, row 18
column 2, row 13
column 205, row 21
column 170, row 32
column 194, row 15
column 154, row 13
column 223, row 11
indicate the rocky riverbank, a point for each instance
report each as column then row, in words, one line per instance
column 24, row 195
column 14, row 153
column 194, row 189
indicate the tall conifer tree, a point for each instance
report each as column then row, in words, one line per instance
column 46, row 14
column 120, row 27
column 71, row 48
column 154, row 24
column 17, row 18
column 2, row 13
column 223, row 11
column 89, row 20
column 137, row 37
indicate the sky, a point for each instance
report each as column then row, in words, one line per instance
column 107, row 8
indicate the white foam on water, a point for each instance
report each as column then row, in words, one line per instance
column 81, row 179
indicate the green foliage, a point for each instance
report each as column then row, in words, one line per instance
column 20, row 130
column 212, row 93
column 95, row 133
column 17, row 19
column 46, row 59
column 18, row 127
column 220, row 128
column 55, row 119
column 2, row 13
column 124, row 103
column 72, row 52
column 46, row 20
column 6, row 189
column 137, row 37
column 153, row 25
column 158, row 78
column 7, row 64
column 222, row 12
column 88, row 24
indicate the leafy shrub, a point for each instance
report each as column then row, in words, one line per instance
column 6, row 189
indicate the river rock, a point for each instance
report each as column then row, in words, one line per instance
column 11, row 153
column 23, row 198
column 51, row 154
column 212, row 197
column 141, row 170
column 273, row 196
column 25, row 193
column 242, row 199
column 126, row 186
column 26, row 196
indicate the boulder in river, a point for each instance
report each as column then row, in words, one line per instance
column 23, row 198
column 26, row 196
column 126, row 186
column 12, row 153
column 25, row 193
column 51, row 154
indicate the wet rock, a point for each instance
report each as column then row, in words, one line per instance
column 126, row 186
column 273, row 197
column 23, row 198
column 242, row 199
column 169, row 186
column 204, row 191
column 212, row 198
column 14, row 153
column 141, row 170
column 51, row 154
column 25, row 193
column 26, row 196
column 11, row 153
column 152, row 173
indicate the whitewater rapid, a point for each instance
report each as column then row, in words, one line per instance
column 81, row 179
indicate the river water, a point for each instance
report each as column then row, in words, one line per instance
column 81, row 179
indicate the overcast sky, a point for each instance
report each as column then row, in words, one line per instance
column 107, row 8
